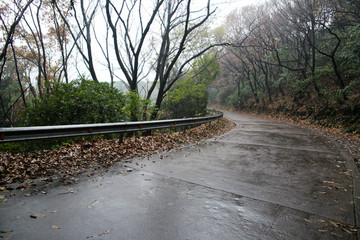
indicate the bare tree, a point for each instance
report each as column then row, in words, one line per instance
column 179, row 23
column 9, row 31
column 32, row 33
column 61, row 36
column 81, row 32
column 129, row 39
column 105, row 48
column 9, row 36
column 242, row 28
column 294, row 28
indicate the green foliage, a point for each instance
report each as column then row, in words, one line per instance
column 213, row 93
column 352, row 88
column 137, row 108
column 78, row 102
column 234, row 100
column 205, row 69
column 187, row 99
column 39, row 145
column 10, row 96
column 224, row 95
column 349, row 56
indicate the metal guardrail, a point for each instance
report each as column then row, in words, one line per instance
column 49, row 132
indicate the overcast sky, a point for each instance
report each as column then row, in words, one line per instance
column 226, row 6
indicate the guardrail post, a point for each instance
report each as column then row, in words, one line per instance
column 146, row 133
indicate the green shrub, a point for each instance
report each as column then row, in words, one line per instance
column 137, row 108
column 186, row 100
column 78, row 102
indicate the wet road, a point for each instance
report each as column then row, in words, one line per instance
column 262, row 180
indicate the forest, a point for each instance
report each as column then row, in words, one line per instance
column 62, row 60
column 298, row 58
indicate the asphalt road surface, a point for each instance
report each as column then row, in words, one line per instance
column 262, row 180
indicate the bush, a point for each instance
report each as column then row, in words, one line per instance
column 137, row 108
column 78, row 102
column 186, row 100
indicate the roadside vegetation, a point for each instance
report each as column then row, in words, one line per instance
column 300, row 61
column 54, row 60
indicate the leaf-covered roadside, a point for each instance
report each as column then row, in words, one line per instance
column 101, row 153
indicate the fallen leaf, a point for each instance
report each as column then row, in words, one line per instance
column 105, row 232
column 8, row 237
column 55, row 227
column 335, row 234
column 335, row 224
column 344, row 229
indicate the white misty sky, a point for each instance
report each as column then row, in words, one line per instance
column 226, row 6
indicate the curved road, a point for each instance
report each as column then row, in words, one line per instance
column 262, row 180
